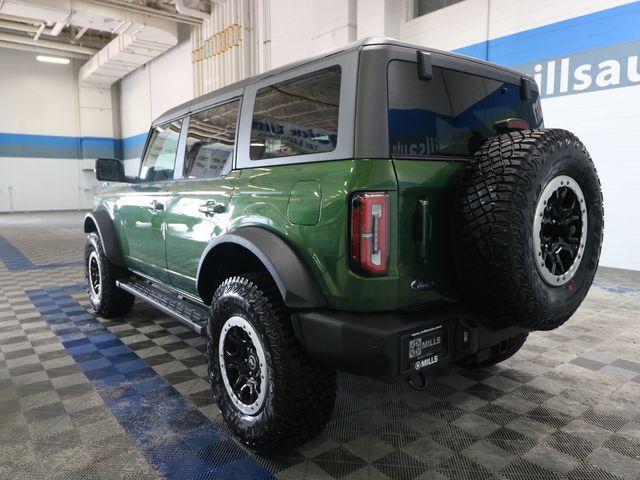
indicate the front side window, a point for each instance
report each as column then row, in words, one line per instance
column 452, row 114
column 160, row 159
column 211, row 141
column 297, row 116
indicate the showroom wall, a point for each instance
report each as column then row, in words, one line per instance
column 51, row 129
column 47, row 125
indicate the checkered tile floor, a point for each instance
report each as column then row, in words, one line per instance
column 83, row 397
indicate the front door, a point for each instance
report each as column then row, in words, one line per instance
column 200, row 207
column 142, row 211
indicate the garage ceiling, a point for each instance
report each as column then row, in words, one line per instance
column 115, row 36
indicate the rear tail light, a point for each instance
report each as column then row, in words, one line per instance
column 511, row 125
column 370, row 233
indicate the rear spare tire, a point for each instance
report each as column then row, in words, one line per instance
column 529, row 226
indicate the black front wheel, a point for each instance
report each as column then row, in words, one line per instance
column 271, row 392
column 106, row 299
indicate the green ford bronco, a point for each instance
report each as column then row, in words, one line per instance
column 380, row 209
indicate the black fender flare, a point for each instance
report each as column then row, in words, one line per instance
column 99, row 220
column 296, row 283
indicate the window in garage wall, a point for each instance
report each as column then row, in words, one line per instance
column 422, row 7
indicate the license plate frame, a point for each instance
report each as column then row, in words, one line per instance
column 423, row 348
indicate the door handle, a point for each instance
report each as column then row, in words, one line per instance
column 211, row 207
column 424, row 209
column 155, row 206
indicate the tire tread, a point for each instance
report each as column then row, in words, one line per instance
column 306, row 389
column 490, row 227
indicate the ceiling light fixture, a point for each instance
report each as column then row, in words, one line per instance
column 44, row 58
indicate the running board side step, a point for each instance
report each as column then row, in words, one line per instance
column 188, row 313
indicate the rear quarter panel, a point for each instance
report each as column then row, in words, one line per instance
column 261, row 198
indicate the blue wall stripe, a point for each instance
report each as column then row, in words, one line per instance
column 23, row 145
column 175, row 437
column 607, row 27
column 131, row 147
column 52, row 146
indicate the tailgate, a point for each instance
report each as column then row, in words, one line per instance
column 436, row 125
column 425, row 208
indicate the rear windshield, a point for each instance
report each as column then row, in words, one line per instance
column 451, row 114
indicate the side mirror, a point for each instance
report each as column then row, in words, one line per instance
column 110, row 170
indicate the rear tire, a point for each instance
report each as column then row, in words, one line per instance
column 529, row 226
column 106, row 299
column 270, row 391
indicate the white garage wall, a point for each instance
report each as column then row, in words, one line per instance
column 301, row 29
column 48, row 124
column 39, row 129
column 473, row 21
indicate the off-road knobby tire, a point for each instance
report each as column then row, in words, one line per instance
column 493, row 227
column 496, row 354
column 301, row 392
column 113, row 301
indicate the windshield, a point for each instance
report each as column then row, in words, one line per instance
column 452, row 114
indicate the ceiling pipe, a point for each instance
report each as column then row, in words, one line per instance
column 152, row 12
column 39, row 32
column 56, row 29
column 19, row 19
column 42, row 50
column 20, row 27
column 64, row 47
column 192, row 12
column 41, row 25
column 79, row 35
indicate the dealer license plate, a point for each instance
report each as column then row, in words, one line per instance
column 423, row 348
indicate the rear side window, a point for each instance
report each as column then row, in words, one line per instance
column 297, row 116
column 160, row 157
column 211, row 141
column 451, row 114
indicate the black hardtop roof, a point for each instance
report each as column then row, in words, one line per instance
column 211, row 97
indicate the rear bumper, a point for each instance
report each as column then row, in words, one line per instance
column 378, row 345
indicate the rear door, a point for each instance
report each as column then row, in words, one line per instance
column 200, row 207
column 435, row 127
column 142, row 211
